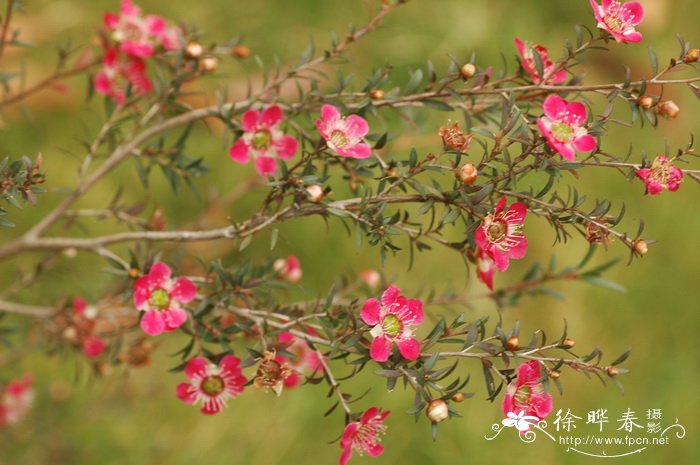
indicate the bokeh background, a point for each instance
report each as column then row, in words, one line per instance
column 133, row 417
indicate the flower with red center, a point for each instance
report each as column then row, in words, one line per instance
column 289, row 269
column 344, row 135
column 139, row 36
column 562, row 126
column 485, row 268
column 526, row 395
column 117, row 72
column 16, row 399
column 500, row 236
column 363, row 435
column 304, row 359
column 212, row 385
column 392, row 320
column 662, row 175
column 525, row 49
column 263, row 140
column 619, row 19
column 160, row 297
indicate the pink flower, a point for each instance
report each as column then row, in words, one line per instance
column 212, row 385
column 371, row 277
column 139, row 36
column 485, row 268
column 526, row 395
column 344, row 135
column 619, row 19
column 83, row 329
column 289, row 268
column 562, row 127
column 263, row 140
column 528, row 62
column 159, row 296
column 363, row 435
column 392, row 320
column 118, row 71
column 500, row 236
column 662, row 175
column 16, row 399
column 304, row 360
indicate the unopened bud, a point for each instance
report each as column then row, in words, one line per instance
column 459, row 397
column 194, row 50
column 612, row 371
column 645, row 102
column 377, row 94
column 134, row 273
column 640, row 247
column 466, row 174
column 315, row 193
column 467, row 71
column 567, row 343
column 554, row 374
column 513, row 343
column 241, row 51
column 437, row 410
column 70, row 252
column 668, row 108
column 391, row 172
column 692, row 56
column 70, row 333
column 371, row 277
column 209, row 64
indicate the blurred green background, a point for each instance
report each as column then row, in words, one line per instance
column 133, row 417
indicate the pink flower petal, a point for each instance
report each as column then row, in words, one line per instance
column 380, row 349
column 286, row 147
column 345, row 455
column 152, row 323
column 240, row 152
column 390, row 295
column 519, row 249
column 93, row 346
column 137, row 49
column 155, row 25
column 369, row 415
column 542, row 404
column 553, row 106
column 329, row 113
column 250, row 120
column 183, row 290
column 520, row 45
column 196, row 367
column 643, row 173
column 265, row 165
column 185, row 393
column 348, row 433
column 271, row 117
column 142, row 292
column 633, row 37
column 359, row 151
column 158, row 275
column 356, row 126
column 229, row 363
column 480, row 238
column 127, row 8
column 370, row 312
column 415, row 312
column 585, row 143
column 576, row 113
column 632, row 12
column 111, row 20
column 173, row 318
column 374, row 450
column 517, row 213
column 409, row 348
column 501, row 260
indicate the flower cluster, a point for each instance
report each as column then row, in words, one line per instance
column 133, row 38
column 15, row 400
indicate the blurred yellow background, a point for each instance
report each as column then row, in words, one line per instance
column 133, row 417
